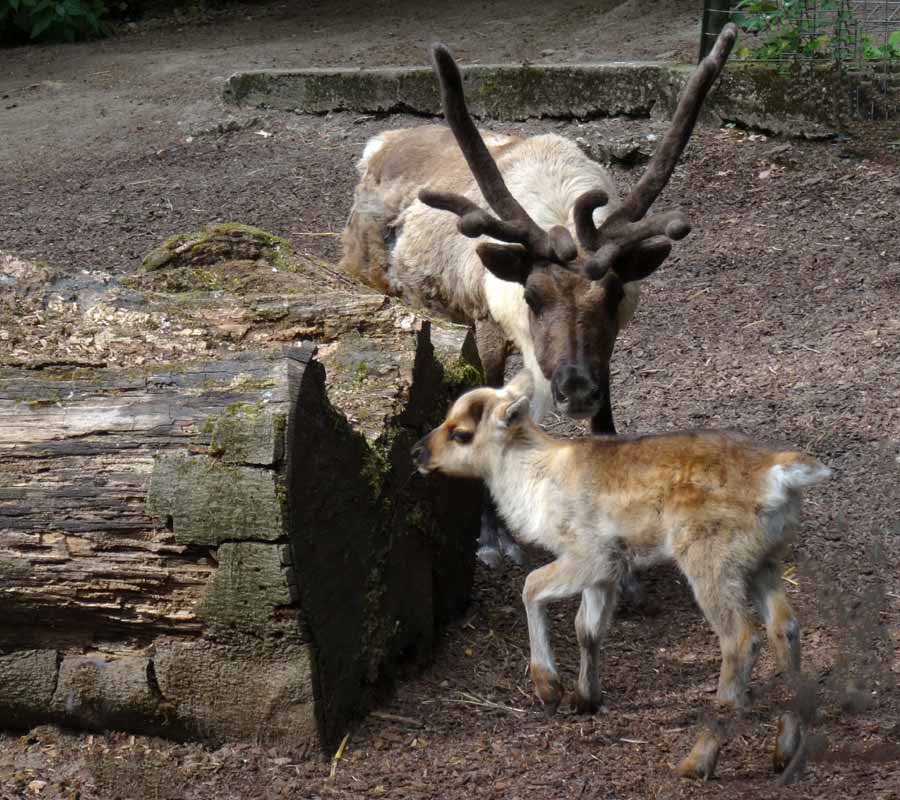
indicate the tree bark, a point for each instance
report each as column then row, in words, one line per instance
column 234, row 547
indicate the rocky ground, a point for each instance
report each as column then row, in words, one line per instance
column 778, row 316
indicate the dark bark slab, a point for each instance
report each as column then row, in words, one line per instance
column 235, row 547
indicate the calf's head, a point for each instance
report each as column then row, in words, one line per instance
column 477, row 428
column 575, row 291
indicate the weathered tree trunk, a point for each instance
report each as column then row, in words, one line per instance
column 236, row 547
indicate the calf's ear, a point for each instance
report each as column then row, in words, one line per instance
column 514, row 412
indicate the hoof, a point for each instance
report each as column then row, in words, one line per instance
column 490, row 557
column 548, row 687
column 511, row 550
column 584, row 705
column 701, row 762
column 787, row 741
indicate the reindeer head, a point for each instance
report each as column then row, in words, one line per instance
column 574, row 291
column 477, row 428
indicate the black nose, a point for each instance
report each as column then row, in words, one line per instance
column 573, row 385
column 420, row 453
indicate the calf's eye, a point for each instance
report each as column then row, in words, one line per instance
column 461, row 437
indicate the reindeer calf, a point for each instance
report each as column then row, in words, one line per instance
column 717, row 505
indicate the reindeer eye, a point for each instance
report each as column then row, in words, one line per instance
column 533, row 300
column 461, row 437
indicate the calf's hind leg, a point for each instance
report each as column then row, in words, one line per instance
column 783, row 632
column 722, row 598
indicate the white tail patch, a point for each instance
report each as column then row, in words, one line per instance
column 783, row 479
column 372, row 146
column 798, row 476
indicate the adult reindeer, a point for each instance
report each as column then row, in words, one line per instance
column 555, row 272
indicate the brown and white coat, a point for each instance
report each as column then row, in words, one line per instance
column 720, row 507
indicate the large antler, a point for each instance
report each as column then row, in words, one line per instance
column 514, row 225
column 628, row 241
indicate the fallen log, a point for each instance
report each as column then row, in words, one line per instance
column 236, row 546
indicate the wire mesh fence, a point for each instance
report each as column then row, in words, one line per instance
column 860, row 37
column 877, row 57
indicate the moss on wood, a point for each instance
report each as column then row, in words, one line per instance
column 209, row 502
column 246, row 589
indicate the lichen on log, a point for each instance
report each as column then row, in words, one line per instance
column 229, row 546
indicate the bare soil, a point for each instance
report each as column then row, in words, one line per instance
column 778, row 316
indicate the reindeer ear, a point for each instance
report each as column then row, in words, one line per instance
column 643, row 259
column 509, row 263
column 513, row 413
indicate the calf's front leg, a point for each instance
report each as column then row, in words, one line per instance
column 565, row 577
column 550, row 582
column 591, row 623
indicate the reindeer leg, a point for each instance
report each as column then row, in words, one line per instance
column 721, row 597
column 784, row 635
column 591, row 623
column 495, row 540
column 491, row 342
column 593, row 576
column 602, row 422
column 551, row 582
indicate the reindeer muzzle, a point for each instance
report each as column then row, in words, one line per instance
column 576, row 393
column 421, row 455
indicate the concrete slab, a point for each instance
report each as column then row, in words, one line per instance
column 811, row 105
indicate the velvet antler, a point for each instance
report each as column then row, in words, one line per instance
column 514, row 225
column 627, row 241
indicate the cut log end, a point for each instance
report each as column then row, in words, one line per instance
column 194, row 529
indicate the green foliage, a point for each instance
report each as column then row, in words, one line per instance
column 52, row 20
column 783, row 30
column 787, row 29
column 891, row 49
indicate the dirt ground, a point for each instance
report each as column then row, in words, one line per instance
column 778, row 316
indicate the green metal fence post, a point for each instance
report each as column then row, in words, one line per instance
column 715, row 14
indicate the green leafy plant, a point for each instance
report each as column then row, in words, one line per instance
column 52, row 20
column 891, row 49
column 791, row 29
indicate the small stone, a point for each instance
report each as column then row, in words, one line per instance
column 36, row 787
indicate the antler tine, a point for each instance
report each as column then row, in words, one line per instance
column 515, row 225
column 583, row 213
column 474, row 221
column 628, row 241
column 479, row 159
column 672, row 146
